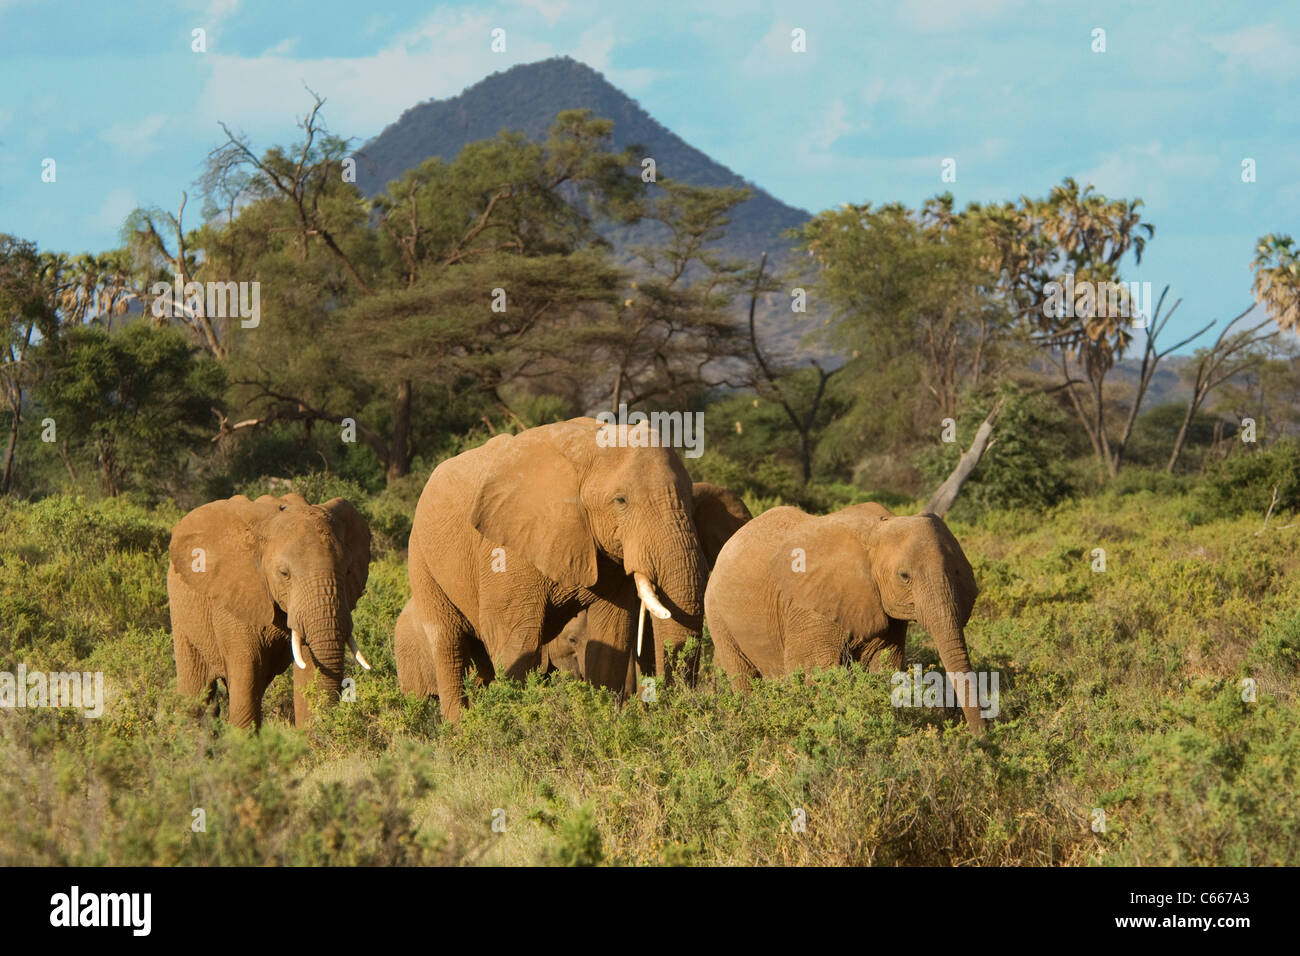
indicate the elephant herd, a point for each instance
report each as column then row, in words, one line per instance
column 549, row 550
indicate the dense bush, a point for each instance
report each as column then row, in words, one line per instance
column 1025, row 466
column 1243, row 483
column 1119, row 691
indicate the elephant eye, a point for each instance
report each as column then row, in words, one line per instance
column 905, row 576
column 284, row 572
column 620, row 500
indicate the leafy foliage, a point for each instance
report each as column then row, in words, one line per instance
column 1118, row 691
column 1025, row 467
column 1244, row 483
column 136, row 400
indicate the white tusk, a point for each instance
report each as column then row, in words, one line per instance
column 640, row 627
column 352, row 643
column 297, row 651
column 646, row 592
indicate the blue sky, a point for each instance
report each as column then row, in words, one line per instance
column 1011, row 90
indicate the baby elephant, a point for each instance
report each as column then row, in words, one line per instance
column 257, row 585
column 791, row 590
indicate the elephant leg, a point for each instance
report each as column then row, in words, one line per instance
column 245, row 695
column 516, row 645
column 884, row 654
column 611, row 636
column 191, row 673
column 728, row 656
column 302, row 678
column 211, row 702
column 812, row 642
column 454, row 650
column 452, row 647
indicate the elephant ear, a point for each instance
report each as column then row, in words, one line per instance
column 824, row 566
column 719, row 513
column 530, row 502
column 354, row 533
column 216, row 550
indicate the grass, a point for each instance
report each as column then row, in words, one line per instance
column 1120, row 691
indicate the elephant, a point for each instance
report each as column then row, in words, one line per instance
column 791, row 590
column 719, row 513
column 416, row 673
column 512, row 539
column 254, row 586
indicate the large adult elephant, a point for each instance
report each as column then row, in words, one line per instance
column 255, row 586
column 718, row 514
column 512, row 539
column 791, row 590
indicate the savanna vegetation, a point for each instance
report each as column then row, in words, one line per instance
column 1120, row 690
column 1159, row 690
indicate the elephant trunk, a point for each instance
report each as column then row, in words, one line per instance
column 674, row 567
column 940, row 618
column 324, row 628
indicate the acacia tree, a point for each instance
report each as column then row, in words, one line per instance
column 153, row 261
column 449, row 234
column 27, row 312
column 773, row 377
column 306, row 176
column 135, row 399
column 920, row 316
column 673, row 333
column 1231, row 354
column 1276, row 287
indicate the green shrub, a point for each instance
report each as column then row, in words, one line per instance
column 97, row 528
column 1243, row 483
column 1119, row 691
column 1025, row 465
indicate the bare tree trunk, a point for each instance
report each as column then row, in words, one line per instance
column 399, row 463
column 1210, row 373
column 1182, row 436
column 67, row 462
column 9, row 454
column 618, row 391
column 946, row 494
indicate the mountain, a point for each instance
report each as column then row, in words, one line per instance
column 1166, row 386
column 527, row 98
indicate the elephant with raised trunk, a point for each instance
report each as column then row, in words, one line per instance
column 255, row 586
column 791, row 591
column 512, row 539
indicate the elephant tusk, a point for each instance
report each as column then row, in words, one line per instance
column 646, row 591
column 352, row 643
column 640, row 627
column 297, row 651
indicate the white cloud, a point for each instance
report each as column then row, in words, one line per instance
column 595, row 44
column 916, row 97
column 549, row 10
column 284, row 48
column 117, row 205
column 138, row 136
column 949, row 16
column 219, row 10
column 834, row 125
column 774, row 52
column 440, row 57
column 1148, row 171
column 1260, row 48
